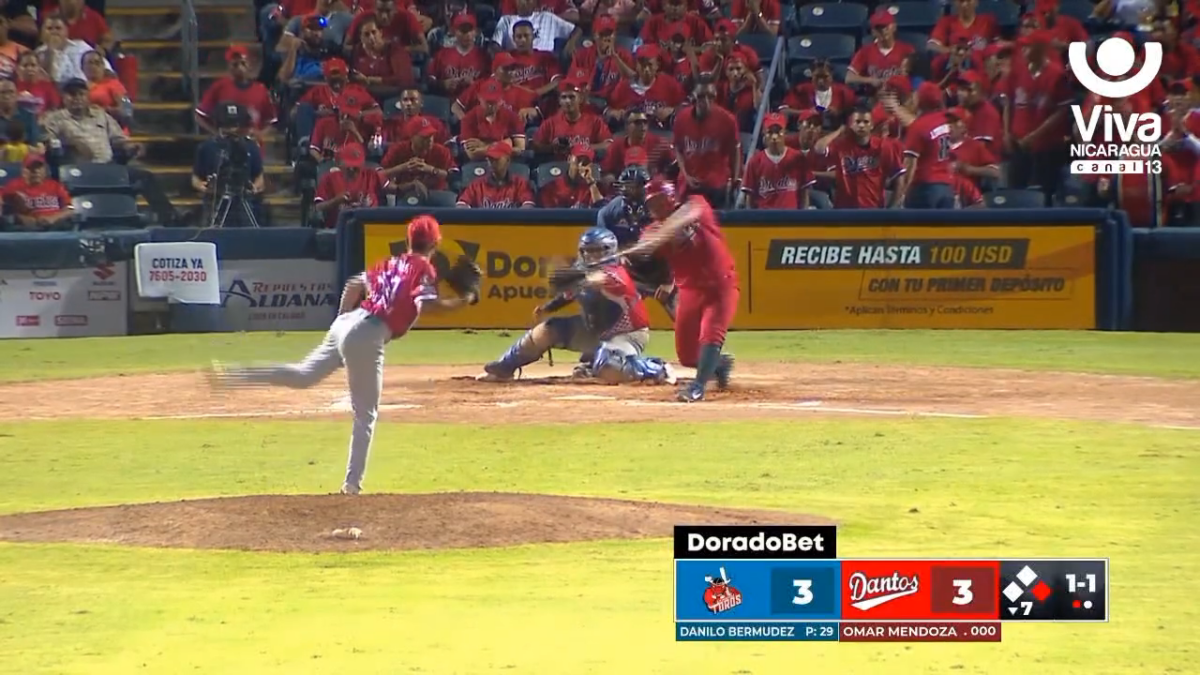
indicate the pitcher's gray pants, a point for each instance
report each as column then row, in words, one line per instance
column 357, row 340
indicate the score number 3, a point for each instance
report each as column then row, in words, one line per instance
column 804, row 593
column 962, row 592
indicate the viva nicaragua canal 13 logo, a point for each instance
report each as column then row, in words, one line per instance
column 870, row 592
column 721, row 596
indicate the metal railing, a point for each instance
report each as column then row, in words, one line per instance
column 190, row 58
column 763, row 106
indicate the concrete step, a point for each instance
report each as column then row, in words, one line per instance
column 162, row 117
column 166, row 23
column 175, row 178
column 167, row 55
column 171, row 86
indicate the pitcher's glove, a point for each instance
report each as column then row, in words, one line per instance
column 465, row 278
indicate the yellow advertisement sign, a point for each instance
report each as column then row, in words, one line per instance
column 886, row 276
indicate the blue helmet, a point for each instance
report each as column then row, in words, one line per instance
column 596, row 244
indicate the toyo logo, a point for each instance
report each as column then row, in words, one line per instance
column 1128, row 141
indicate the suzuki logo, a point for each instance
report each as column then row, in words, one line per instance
column 104, row 271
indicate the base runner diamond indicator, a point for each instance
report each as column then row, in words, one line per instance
column 1027, row 576
column 1013, row 591
column 1041, row 591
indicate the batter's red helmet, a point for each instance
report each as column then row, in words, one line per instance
column 662, row 187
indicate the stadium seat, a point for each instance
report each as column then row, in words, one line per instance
column 391, row 107
column 626, row 42
column 473, row 170
column 107, row 212
column 441, row 198
column 1007, row 14
column 9, row 171
column 821, row 46
column 848, row 18
column 1080, row 9
column 913, row 15
column 919, row 41
column 323, row 168
column 763, row 44
column 80, row 179
column 802, row 72
column 548, row 171
column 1015, row 199
column 519, row 169
column 437, row 106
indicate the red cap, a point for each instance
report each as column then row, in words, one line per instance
column 725, row 26
column 882, row 18
column 352, row 155
column 491, row 91
column 969, row 77
column 500, row 150
column 959, row 113
column 647, row 51
column 502, row 60
column 237, row 52
column 33, row 158
column 657, row 187
column 583, row 151
column 1040, row 36
column 334, row 65
column 899, row 84
column 569, row 84
column 464, row 19
column 810, row 114
column 604, row 24
column 424, row 230
column 636, row 156
column 735, row 58
column 880, row 116
column 930, row 96
column 418, row 126
column 775, row 120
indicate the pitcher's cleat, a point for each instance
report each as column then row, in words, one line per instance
column 348, row 489
column 724, row 370
column 690, row 394
column 216, row 376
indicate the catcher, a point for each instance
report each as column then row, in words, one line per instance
column 626, row 216
column 377, row 307
column 613, row 324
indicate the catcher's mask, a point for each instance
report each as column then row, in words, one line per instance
column 633, row 183
column 597, row 244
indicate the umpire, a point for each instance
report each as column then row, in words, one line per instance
column 626, row 216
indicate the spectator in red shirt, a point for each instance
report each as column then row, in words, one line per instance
column 972, row 159
column 948, row 68
column 535, row 70
column 324, row 97
column 383, row 67
column 723, row 46
column 880, row 59
column 710, row 149
column 653, row 93
column 896, row 96
column 927, row 158
column 83, row 22
column 681, row 61
column 659, row 153
column 1180, row 59
column 417, row 165
column 985, row 124
column 570, row 126
column 39, row 203
column 757, row 16
column 777, row 177
column 821, row 93
column 865, row 165
column 333, row 132
column 997, row 64
column 348, row 185
column 401, row 27
column 490, row 123
column 35, row 90
column 578, row 188
column 412, row 104
column 604, row 62
column 675, row 20
column 963, row 24
column 966, row 194
column 238, row 87
column 739, row 92
column 518, row 99
column 458, row 67
column 1036, row 93
column 500, row 188
column 1065, row 29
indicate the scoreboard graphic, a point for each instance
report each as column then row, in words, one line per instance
column 781, row 583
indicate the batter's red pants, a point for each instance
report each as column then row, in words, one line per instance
column 702, row 317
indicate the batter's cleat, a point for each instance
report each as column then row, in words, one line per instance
column 348, row 489
column 724, row 370
column 690, row 394
column 582, row 372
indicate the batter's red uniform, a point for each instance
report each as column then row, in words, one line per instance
column 397, row 287
column 707, row 281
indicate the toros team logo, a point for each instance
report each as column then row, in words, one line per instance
column 721, row 596
column 869, row 592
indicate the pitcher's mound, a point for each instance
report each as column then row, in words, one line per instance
column 387, row 521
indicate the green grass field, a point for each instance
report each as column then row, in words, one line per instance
column 900, row 487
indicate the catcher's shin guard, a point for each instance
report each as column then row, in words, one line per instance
column 615, row 367
column 521, row 354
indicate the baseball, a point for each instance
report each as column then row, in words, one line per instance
column 346, row 533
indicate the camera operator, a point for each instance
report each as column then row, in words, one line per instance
column 230, row 165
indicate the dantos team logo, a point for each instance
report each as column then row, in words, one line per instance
column 721, row 596
column 870, row 592
column 1128, row 142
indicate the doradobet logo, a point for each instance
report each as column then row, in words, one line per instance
column 506, row 277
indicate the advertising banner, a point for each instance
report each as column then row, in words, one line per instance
column 86, row 302
column 849, row 276
column 180, row 271
column 278, row 295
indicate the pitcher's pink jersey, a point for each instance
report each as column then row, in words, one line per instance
column 396, row 288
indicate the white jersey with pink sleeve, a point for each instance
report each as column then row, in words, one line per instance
column 397, row 287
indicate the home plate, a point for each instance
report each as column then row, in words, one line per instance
column 585, row 397
column 809, row 404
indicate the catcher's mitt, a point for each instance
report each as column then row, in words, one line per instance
column 567, row 278
column 465, row 278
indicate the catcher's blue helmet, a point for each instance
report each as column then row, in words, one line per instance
column 596, row 244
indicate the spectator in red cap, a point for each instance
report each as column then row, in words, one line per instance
column 324, row 97
column 929, row 168
column 39, row 202
column 964, row 24
column 681, row 60
column 1036, row 94
column 547, row 28
column 303, row 56
column 723, row 46
column 1180, row 59
column 500, row 188
column 1065, row 29
column 658, row 153
column 757, row 16
column 709, row 147
column 947, row 68
column 865, row 165
column 383, row 67
column 536, row 70
column 570, row 126
column 880, row 59
column 417, row 165
column 578, row 188
column 334, row 131
column 349, row 185
column 821, row 93
column 985, row 124
column 458, row 67
column 518, row 99
column 238, row 87
column 399, row 26
column 604, row 62
column 777, row 177
column 896, row 96
column 490, row 123
column 739, row 93
column 674, row 20
column 972, row 159
column 654, row 93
